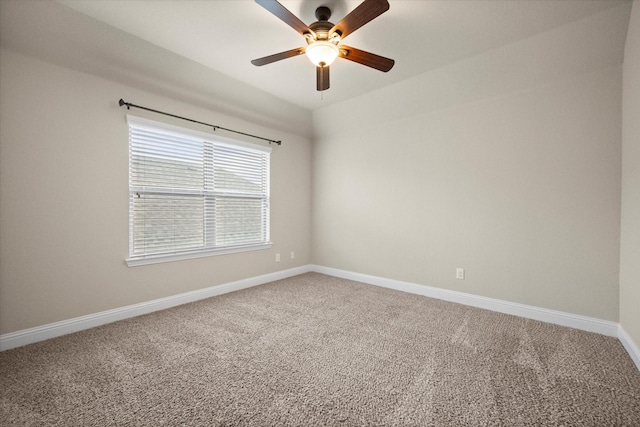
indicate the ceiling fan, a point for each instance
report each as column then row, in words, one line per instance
column 323, row 38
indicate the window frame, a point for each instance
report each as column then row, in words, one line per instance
column 203, row 251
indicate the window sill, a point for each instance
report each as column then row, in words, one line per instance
column 156, row 259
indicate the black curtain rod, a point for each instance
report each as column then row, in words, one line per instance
column 129, row 105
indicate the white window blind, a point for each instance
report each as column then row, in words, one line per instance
column 192, row 194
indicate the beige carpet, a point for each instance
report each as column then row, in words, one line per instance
column 314, row 350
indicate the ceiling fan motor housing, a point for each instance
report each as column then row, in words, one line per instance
column 321, row 30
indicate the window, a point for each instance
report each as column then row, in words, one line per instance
column 192, row 194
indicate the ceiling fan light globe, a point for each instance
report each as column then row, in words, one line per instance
column 322, row 53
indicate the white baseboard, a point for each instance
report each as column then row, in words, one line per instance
column 52, row 330
column 630, row 346
column 590, row 324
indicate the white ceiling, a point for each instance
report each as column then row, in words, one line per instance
column 421, row 35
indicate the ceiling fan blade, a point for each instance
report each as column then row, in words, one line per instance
column 365, row 12
column 365, row 58
column 278, row 56
column 322, row 78
column 283, row 13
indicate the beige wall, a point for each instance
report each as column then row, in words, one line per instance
column 630, row 230
column 64, row 198
column 518, row 183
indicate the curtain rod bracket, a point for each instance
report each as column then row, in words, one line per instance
column 129, row 105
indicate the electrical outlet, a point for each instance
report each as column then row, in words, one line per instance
column 293, row 254
column 460, row 273
column 277, row 257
